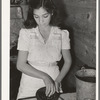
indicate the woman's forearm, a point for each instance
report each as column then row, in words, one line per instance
column 67, row 64
column 31, row 71
column 63, row 72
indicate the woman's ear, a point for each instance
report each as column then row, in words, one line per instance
column 52, row 12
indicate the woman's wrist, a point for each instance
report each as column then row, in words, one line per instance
column 45, row 76
column 58, row 80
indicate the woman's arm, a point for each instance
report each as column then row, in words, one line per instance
column 24, row 67
column 67, row 63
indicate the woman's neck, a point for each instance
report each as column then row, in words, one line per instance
column 44, row 28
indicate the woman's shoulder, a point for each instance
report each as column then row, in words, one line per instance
column 27, row 32
column 60, row 30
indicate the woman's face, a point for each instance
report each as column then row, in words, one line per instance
column 42, row 17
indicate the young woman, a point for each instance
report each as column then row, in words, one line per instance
column 41, row 44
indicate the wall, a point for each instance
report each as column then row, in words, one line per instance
column 81, row 18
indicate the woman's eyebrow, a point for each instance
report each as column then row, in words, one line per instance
column 45, row 13
column 42, row 14
column 35, row 14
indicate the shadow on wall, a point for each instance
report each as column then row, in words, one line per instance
column 61, row 7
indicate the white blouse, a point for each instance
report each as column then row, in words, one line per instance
column 31, row 40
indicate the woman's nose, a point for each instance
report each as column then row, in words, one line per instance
column 41, row 20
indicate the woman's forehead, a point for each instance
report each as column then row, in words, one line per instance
column 40, row 11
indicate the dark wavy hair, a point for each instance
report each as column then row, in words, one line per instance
column 49, row 6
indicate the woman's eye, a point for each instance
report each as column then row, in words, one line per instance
column 35, row 16
column 45, row 16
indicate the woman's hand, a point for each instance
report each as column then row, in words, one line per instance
column 50, row 86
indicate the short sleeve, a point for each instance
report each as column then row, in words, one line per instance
column 23, row 40
column 65, row 39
